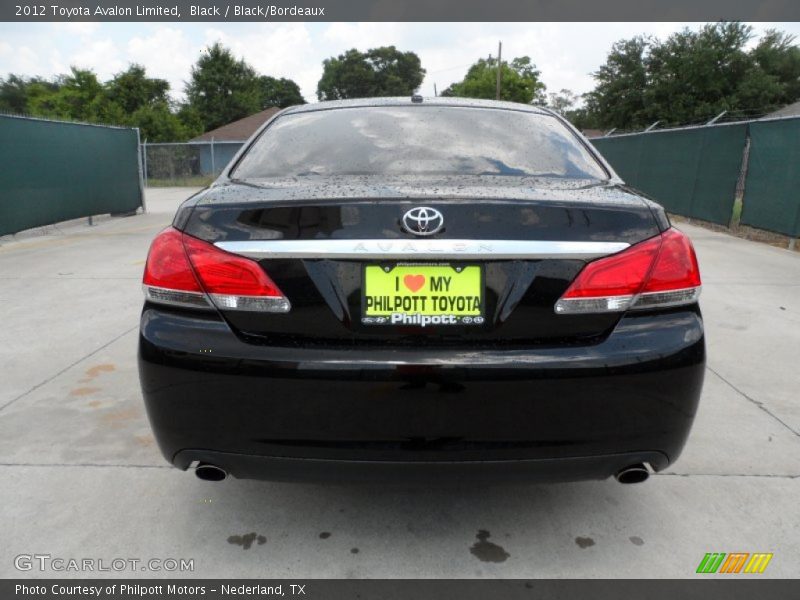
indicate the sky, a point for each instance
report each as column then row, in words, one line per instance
column 565, row 53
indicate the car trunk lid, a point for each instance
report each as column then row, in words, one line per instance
column 322, row 241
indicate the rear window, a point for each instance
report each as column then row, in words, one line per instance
column 420, row 140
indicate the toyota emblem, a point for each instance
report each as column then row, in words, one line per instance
column 423, row 220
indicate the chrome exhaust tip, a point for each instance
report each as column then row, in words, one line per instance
column 208, row 472
column 632, row 474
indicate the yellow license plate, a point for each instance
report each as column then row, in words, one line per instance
column 422, row 295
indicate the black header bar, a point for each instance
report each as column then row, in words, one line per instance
column 701, row 588
column 398, row 10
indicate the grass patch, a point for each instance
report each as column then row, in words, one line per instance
column 736, row 217
column 194, row 181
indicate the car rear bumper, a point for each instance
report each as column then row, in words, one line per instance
column 280, row 468
column 351, row 413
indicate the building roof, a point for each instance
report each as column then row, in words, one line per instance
column 790, row 110
column 238, row 131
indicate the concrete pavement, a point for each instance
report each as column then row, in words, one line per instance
column 82, row 477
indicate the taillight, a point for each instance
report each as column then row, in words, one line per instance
column 233, row 282
column 168, row 275
column 656, row 273
column 183, row 270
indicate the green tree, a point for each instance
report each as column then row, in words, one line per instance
column 278, row 92
column 190, row 120
column 132, row 89
column 694, row 75
column 222, row 88
column 77, row 96
column 777, row 55
column 562, row 101
column 520, row 82
column 157, row 123
column 384, row 71
column 565, row 102
column 130, row 98
column 14, row 91
column 133, row 98
column 618, row 97
column 582, row 119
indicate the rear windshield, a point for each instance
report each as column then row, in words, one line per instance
column 420, row 140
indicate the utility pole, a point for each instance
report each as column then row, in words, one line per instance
column 435, row 93
column 499, row 68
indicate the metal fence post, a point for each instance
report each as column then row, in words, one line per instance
column 213, row 162
column 141, row 166
column 144, row 162
column 741, row 183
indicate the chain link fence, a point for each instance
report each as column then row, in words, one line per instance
column 188, row 164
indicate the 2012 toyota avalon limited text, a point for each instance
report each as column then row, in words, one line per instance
column 421, row 289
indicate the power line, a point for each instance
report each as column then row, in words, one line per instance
column 448, row 69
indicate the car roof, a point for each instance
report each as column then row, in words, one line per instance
column 407, row 101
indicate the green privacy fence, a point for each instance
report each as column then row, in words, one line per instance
column 694, row 171
column 772, row 189
column 54, row 171
column 691, row 172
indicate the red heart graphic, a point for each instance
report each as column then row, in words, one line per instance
column 414, row 282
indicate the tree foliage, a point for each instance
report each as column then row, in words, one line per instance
column 222, row 90
column 78, row 95
column 129, row 98
column 132, row 89
column 278, row 92
column 619, row 94
column 778, row 56
column 562, row 101
column 384, row 71
column 520, row 82
column 15, row 91
column 694, row 75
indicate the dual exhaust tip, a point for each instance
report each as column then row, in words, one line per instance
column 637, row 473
column 632, row 474
column 209, row 472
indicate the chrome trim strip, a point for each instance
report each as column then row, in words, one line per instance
column 422, row 249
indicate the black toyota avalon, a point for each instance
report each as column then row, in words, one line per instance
column 421, row 289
